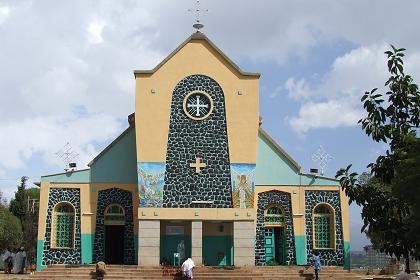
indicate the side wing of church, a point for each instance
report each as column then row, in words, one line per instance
column 193, row 175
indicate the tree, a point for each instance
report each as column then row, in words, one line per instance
column 10, row 228
column 18, row 205
column 28, row 219
column 388, row 213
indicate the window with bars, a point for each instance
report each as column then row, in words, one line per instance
column 63, row 226
column 114, row 214
column 323, row 227
column 274, row 216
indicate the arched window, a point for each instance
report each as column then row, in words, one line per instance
column 324, row 227
column 114, row 215
column 63, row 225
column 274, row 216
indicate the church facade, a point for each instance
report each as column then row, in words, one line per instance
column 193, row 175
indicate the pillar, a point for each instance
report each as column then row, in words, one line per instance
column 197, row 242
column 243, row 243
column 149, row 242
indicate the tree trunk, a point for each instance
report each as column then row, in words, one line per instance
column 407, row 264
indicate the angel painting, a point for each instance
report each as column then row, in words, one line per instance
column 243, row 189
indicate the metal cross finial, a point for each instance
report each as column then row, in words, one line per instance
column 198, row 25
column 322, row 157
column 67, row 154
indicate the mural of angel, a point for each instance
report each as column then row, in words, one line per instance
column 243, row 185
column 151, row 181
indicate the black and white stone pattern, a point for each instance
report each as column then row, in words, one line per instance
column 190, row 139
column 123, row 198
column 329, row 257
column 62, row 256
column 266, row 199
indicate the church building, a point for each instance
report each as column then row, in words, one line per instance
column 193, row 175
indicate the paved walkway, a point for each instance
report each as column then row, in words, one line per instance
column 12, row 276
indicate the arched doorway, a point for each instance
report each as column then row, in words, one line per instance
column 274, row 235
column 114, row 218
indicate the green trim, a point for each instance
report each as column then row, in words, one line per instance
column 300, row 245
column 39, row 254
column 87, row 247
column 347, row 259
column 78, row 176
column 213, row 246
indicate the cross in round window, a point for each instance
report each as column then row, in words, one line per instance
column 198, row 105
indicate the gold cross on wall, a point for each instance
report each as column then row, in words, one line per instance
column 197, row 165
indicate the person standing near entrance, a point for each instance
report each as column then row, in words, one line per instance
column 316, row 262
column 181, row 251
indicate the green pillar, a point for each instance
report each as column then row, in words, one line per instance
column 300, row 245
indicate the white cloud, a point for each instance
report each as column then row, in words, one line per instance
column 94, row 32
column 298, row 89
column 4, row 13
column 335, row 101
column 46, row 136
column 330, row 114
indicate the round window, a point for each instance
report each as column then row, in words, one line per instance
column 198, row 105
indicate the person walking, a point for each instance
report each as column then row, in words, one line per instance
column 187, row 268
column 316, row 262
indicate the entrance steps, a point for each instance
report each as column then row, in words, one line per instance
column 126, row 272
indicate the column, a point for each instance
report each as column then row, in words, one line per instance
column 149, row 242
column 197, row 242
column 243, row 243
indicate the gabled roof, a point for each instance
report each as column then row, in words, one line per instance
column 197, row 36
column 110, row 145
column 278, row 149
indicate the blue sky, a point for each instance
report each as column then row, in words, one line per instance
column 66, row 72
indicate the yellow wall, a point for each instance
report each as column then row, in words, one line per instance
column 298, row 205
column 153, row 110
column 88, row 203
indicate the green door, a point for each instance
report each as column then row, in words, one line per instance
column 269, row 244
column 280, row 240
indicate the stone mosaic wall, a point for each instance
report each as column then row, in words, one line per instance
column 190, row 139
column 333, row 257
column 62, row 256
column 265, row 199
column 105, row 198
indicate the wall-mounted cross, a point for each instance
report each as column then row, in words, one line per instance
column 197, row 165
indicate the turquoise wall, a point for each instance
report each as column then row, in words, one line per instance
column 274, row 168
column 347, row 259
column 79, row 176
column 213, row 245
column 39, row 253
column 300, row 245
column 87, row 247
column 169, row 246
column 118, row 163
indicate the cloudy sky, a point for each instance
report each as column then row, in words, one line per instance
column 66, row 72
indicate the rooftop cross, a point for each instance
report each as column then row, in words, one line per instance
column 198, row 165
column 198, row 25
column 322, row 157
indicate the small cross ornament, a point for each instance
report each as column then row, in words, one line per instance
column 198, row 25
column 197, row 165
column 322, row 157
